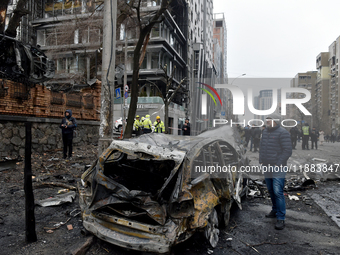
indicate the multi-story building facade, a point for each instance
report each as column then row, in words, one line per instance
column 220, row 61
column 307, row 81
column 71, row 32
column 322, row 97
column 200, row 61
column 334, row 91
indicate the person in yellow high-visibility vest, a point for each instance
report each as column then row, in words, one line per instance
column 305, row 136
column 147, row 124
column 137, row 126
column 159, row 125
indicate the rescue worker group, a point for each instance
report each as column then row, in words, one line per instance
column 144, row 125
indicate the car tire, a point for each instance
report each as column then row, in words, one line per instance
column 211, row 230
column 120, row 129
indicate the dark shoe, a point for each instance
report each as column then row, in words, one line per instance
column 280, row 224
column 272, row 214
column 64, row 157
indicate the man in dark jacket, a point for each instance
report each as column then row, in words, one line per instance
column 314, row 137
column 275, row 149
column 294, row 133
column 256, row 137
column 68, row 124
column 186, row 127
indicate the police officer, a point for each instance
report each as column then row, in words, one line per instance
column 138, row 126
column 305, row 136
column 159, row 125
column 147, row 124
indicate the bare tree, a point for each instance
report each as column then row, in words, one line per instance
column 171, row 91
column 145, row 25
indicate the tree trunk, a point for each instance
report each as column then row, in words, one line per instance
column 134, row 86
column 3, row 10
column 136, row 59
column 16, row 18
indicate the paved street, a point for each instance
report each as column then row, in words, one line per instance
column 312, row 223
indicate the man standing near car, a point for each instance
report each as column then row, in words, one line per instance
column 305, row 136
column 186, row 127
column 256, row 137
column 275, row 150
column 159, row 125
column 147, row 124
column 137, row 126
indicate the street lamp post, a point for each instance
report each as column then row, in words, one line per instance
column 230, row 100
column 237, row 77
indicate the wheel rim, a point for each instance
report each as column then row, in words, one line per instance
column 211, row 231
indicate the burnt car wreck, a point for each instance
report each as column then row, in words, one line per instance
column 144, row 193
column 23, row 63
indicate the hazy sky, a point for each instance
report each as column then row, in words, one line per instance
column 272, row 38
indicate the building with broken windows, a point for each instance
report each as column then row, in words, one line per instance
column 70, row 33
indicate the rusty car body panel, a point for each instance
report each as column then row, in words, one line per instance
column 142, row 193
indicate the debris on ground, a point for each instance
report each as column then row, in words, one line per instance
column 58, row 199
column 298, row 183
column 293, row 197
column 256, row 189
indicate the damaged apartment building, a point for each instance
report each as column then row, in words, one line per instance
column 71, row 34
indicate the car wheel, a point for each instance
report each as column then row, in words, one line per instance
column 211, row 231
column 120, row 129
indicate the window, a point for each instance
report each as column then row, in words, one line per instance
column 155, row 31
column 154, row 60
column 41, row 37
column 144, row 63
column 57, row 98
column 89, row 104
column 71, row 65
column 19, row 91
column 172, row 40
column 61, row 64
column 155, row 2
column 74, row 100
column 219, row 24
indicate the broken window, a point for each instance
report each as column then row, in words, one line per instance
column 229, row 154
column 20, row 91
column 140, row 172
column 57, row 98
column 89, row 104
column 74, row 100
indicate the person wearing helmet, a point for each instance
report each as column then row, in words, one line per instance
column 147, row 124
column 159, row 125
column 137, row 126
